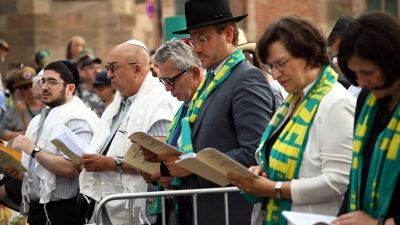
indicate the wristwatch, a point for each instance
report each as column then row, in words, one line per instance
column 35, row 150
column 118, row 163
column 278, row 190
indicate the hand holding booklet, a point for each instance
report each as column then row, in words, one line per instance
column 10, row 157
column 209, row 163
column 70, row 144
column 134, row 157
column 298, row 218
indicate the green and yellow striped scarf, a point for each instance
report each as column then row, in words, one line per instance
column 156, row 206
column 201, row 95
column 286, row 153
column 383, row 175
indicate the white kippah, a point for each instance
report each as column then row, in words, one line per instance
column 137, row 43
column 41, row 73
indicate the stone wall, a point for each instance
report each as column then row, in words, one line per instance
column 31, row 25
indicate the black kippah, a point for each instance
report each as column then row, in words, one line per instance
column 342, row 23
column 74, row 71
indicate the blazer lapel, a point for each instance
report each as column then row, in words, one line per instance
column 203, row 110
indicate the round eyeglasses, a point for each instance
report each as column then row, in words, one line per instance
column 202, row 41
column 49, row 83
column 280, row 65
column 170, row 80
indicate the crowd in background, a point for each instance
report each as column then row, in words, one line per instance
column 316, row 119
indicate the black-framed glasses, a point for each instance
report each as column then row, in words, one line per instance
column 170, row 80
column 49, row 83
column 112, row 68
column 280, row 65
column 15, row 66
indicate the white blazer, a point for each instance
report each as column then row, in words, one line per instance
column 325, row 166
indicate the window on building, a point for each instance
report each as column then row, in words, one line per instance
column 389, row 6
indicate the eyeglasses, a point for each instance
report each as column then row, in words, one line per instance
column 15, row 66
column 170, row 80
column 202, row 41
column 38, row 98
column 112, row 67
column 280, row 65
column 49, row 83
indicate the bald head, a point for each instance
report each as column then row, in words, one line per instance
column 129, row 53
column 129, row 64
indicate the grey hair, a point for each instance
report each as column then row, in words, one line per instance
column 179, row 52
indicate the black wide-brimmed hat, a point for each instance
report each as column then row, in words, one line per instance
column 201, row 13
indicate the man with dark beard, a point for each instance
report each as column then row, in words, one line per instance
column 52, row 184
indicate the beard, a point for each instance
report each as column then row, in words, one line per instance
column 58, row 101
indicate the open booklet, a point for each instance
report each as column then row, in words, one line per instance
column 298, row 218
column 10, row 157
column 70, row 144
column 209, row 163
column 134, row 157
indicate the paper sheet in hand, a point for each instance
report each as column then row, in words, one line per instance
column 298, row 218
column 213, row 165
column 152, row 144
column 70, row 144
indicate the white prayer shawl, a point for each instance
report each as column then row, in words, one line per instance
column 152, row 103
column 61, row 115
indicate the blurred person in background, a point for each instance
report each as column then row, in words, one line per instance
column 153, row 67
column 13, row 95
column 333, row 42
column 369, row 56
column 37, row 90
column 4, row 48
column 252, row 57
column 18, row 117
column 104, row 89
column 74, row 47
column 305, row 152
column 86, row 53
column 86, row 91
column 41, row 59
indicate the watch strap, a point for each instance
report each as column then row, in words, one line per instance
column 118, row 163
column 35, row 150
column 278, row 190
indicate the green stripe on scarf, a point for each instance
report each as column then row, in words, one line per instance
column 201, row 95
column 156, row 206
column 286, row 153
column 382, row 177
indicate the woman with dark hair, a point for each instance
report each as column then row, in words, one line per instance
column 305, row 153
column 369, row 56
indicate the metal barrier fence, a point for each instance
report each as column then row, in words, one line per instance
column 163, row 194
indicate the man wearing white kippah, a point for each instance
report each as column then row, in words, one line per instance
column 141, row 104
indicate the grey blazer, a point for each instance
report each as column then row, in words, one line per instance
column 232, row 120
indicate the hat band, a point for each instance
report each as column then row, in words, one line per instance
column 210, row 18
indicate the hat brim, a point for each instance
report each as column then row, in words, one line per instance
column 208, row 23
column 247, row 46
column 100, row 82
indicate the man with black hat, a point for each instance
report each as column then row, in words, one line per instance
column 86, row 91
column 51, row 183
column 231, row 109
